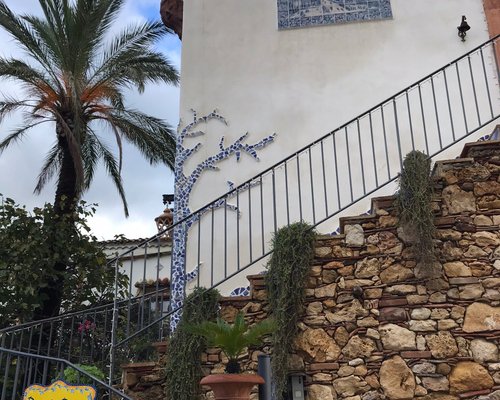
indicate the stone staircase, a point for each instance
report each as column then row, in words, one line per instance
column 400, row 337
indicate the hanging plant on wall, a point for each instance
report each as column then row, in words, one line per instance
column 288, row 268
column 183, row 365
column 414, row 206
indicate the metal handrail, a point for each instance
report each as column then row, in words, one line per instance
column 294, row 154
column 70, row 314
column 319, row 141
column 66, row 363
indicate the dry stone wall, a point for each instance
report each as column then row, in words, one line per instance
column 375, row 326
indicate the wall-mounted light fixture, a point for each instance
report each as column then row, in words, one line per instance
column 463, row 28
column 167, row 199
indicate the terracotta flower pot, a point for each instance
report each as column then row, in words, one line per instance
column 232, row 386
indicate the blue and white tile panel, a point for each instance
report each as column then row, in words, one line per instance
column 305, row 13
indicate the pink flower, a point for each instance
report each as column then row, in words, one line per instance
column 86, row 326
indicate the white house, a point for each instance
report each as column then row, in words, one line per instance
column 301, row 69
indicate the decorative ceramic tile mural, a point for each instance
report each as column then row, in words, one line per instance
column 302, row 13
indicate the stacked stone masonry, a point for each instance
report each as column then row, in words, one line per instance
column 407, row 336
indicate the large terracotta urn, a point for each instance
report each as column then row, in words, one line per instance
column 232, row 386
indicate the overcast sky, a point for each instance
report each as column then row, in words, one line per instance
column 144, row 185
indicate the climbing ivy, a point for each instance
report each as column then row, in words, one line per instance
column 414, row 206
column 293, row 250
column 183, row 365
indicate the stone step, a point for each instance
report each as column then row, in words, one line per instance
column 481, row 150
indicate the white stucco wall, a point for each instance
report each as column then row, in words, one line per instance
column 306, row 82
column 141, row 264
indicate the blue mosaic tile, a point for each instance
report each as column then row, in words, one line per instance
column 241, row 291
column 303, row 13
column 184, row 184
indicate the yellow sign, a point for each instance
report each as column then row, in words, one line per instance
column 59, row 391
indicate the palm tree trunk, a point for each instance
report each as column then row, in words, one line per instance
column 64, row 207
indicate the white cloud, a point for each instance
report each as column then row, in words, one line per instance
column 144, row 185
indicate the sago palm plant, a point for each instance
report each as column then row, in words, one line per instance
column 233, row 339
column 73, row 76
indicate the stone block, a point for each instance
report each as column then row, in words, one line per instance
column 395, row 337
column 420, row 313
column 393, row 314
column 396, row 379
column 442, row 345
column 436, row 384
column 416, row 354
column 468, row 376
column 350, row 386
column 456, row 269
column 484, row 351
column 394, row 302
column 423, row 326
column 354, row 235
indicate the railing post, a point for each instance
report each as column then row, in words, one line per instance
column 113, row 326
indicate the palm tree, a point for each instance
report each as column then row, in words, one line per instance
column 74, row 78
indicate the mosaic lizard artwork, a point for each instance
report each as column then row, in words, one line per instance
column 59, row 391
column 304, row 13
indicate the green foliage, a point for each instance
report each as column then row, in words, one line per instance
column 183, row 365
column 288, row 268
column 414, row 205
column 232, row 339
column 73, row 376
column 32, row 242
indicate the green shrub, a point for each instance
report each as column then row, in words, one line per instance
column 71, row 375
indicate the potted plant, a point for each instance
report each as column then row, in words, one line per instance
column 148, row 286
column 232, row 339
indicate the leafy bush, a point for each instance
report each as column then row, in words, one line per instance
column 73, row 376
column 31, row 243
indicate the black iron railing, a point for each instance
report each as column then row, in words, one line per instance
column 315, row 184
column 85, row 337
column 21, row 370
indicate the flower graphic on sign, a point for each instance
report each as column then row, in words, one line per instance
column 60, row 391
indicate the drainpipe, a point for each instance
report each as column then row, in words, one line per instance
column 264, row 370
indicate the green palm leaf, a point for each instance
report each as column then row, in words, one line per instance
column 232, row 339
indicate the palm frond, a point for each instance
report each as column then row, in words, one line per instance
column 113, row 171
column 130, row 43
column 153, row 137
column 48, row 35
column 51, row 165
column 232, row 339
column 21, row 71
column 18, row 133
column 26, row 38
column 10, row 104
column 92, row 22
column 90, row 156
